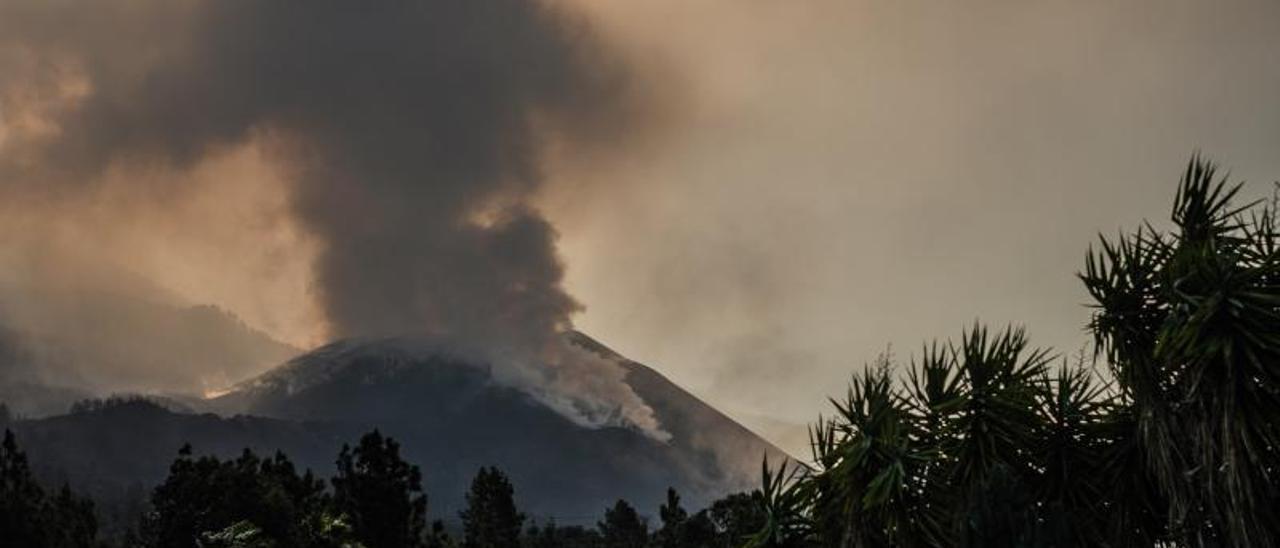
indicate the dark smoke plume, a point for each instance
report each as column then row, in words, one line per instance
column 410, row 133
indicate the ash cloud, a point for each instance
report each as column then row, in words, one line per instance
column 409, row 135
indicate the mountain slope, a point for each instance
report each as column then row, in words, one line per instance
column 80, row 345
column 452, row 418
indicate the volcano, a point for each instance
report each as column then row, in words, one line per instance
column 451, row 417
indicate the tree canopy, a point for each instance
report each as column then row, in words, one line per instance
column 29, row 516
column 490, row 519
column 381, row 493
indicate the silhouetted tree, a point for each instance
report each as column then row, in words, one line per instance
column 623, row 527
column 545, row 536
column 700, row 532
column 577, row 536
column 21, row 499
column 381, row 493
column 679, row 529
column 439, row 538
column 71, row 520
column 490, row 519
column 208, row 497
column 736, row 518
column 122, row 403
column 670, row 534
column 28, row 517
column 1188, row 323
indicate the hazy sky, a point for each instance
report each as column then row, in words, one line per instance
column 846, row 175
column 803, row 184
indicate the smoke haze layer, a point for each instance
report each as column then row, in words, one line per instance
column 860, row 173
column 407, row 137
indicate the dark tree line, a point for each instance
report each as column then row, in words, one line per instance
column 375, row 499
column 727, row 523
column 207, row 502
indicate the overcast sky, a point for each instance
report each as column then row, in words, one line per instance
column 848, row 175
column 801, row 185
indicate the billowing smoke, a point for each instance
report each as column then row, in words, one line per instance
column 408, row 133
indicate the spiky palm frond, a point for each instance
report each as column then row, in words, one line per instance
column 936, row 394
column 996, row 422
column 785, row 498
column 896, row 465
column 1069, row 455
column 1135, row 506
column 870, row 493
column 1191, row 323
column 984, row 446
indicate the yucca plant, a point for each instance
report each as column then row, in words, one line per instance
column 1068, row 454
column 937, row 394
column 870, row 483
column 785, row 497
column 994, row 434
column 984, row 444
column 1190, row 323
column 1135, row 508
column 915, row 463
column 997, row 420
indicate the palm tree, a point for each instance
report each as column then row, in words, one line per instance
column 1190, row 324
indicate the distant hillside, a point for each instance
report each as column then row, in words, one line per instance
column 72, row 347
column 107, row 449
column 118, row 453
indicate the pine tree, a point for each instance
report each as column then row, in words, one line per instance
column 381, row 493
column 547, row 536
column 674, row 517
column 623, row 528
column 699, row 531
column 21, row 499
column 30, row 518
column 736, row 518
column 71, row 520
column 439, row 538
column 491, row 519
column 208, row 498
